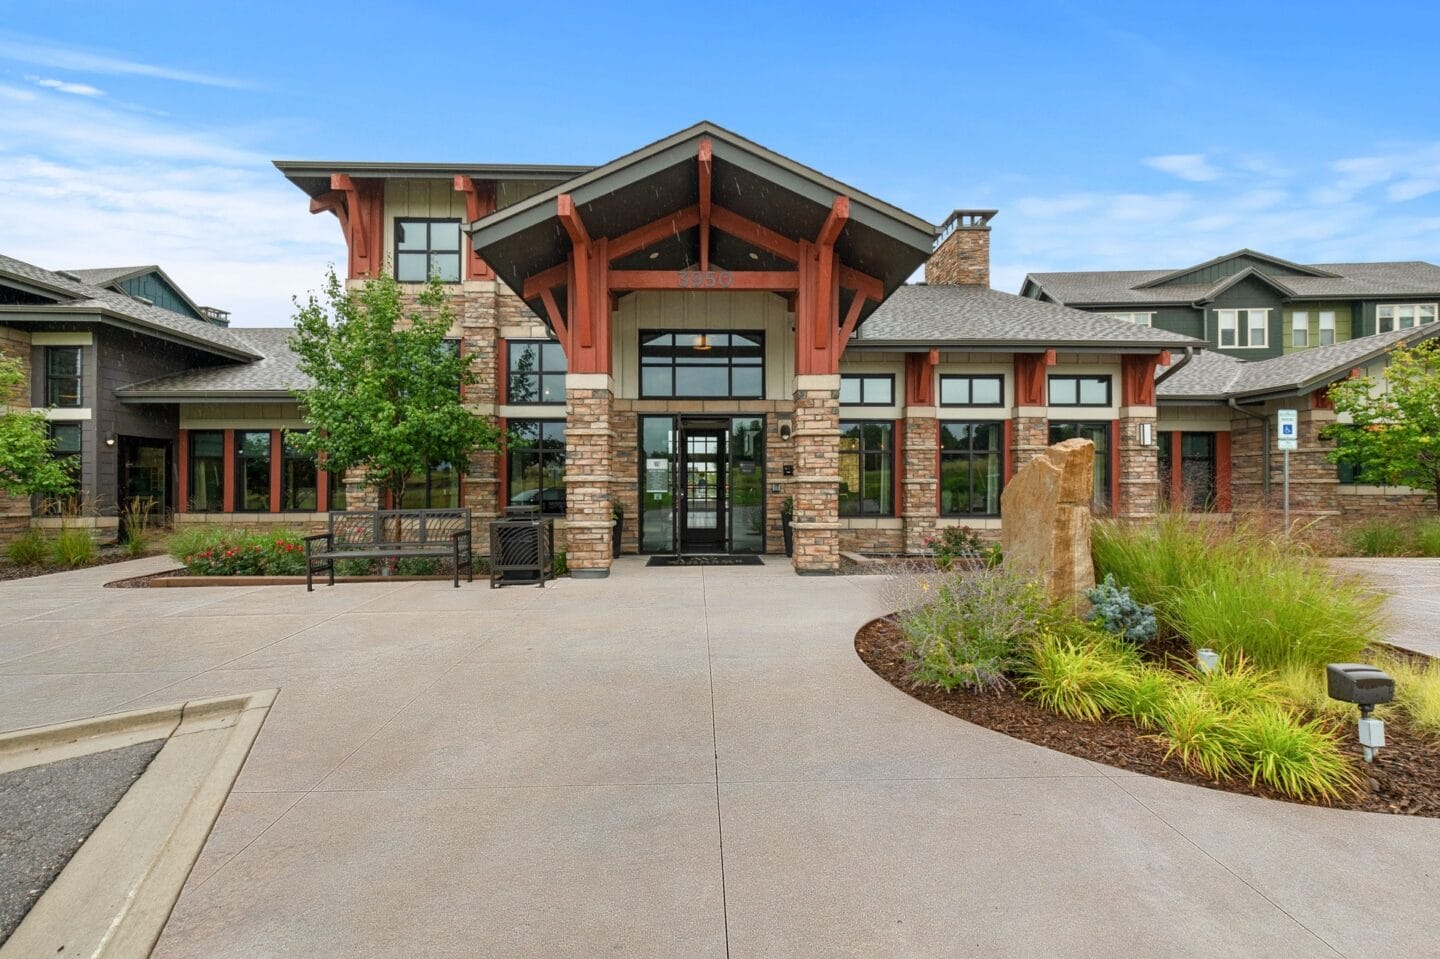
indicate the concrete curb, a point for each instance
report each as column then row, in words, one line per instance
column 114, row 896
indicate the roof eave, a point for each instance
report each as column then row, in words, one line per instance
column 60, row 313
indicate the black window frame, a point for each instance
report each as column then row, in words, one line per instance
column 864, row 379
column 191, row 472
column 72, row 499
column 673, row 366
column 429, row 251
column 53, row 379
column 1106, row 378
column 888, row 453
column 517, row 457
column 242, row 460
column 971, row 378
column 1108, row 458
column 969, row 455
column 430, row 488
column 287, row 455
column 1169, row 457
column 539, row 374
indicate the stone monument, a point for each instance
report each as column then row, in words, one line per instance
column 1046, row 510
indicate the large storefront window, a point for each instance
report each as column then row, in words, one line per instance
column 299, row 491
column 867, row 468
column 435, row 488
column 207, row 471
column 702, row 365
column 970, row 469
column 537, row 372
column 1099, row 434
column 536, row 465
column 1195, row 459
column 252, row 471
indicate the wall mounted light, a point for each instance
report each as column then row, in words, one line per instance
column 784, row 432
column 110, row 440
column 1147, row 434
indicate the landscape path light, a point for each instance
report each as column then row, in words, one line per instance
column 1366, row 687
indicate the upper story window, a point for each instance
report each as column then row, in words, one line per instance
column 1139, row 319
column 536, row 373
column 1327, row 327
column 1402, row 316
column 1300, row 327
column 1253, row 324
column 988, row 390
column 702, row 365
column 867, row 390
column 62, row 376
column 426, row 248
column 1079, row 390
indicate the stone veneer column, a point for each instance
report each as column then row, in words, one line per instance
column 589, row 469
column 1029, row 436
column 480, row 310
column 15, row 510
column 816, row 483
column 359, row 495
column 1139, row 464
column 921, row 501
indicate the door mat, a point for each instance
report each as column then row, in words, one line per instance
column 705, row 561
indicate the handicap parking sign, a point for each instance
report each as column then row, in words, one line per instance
column 1288, row 433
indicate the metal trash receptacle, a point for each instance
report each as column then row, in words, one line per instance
column 522, row 550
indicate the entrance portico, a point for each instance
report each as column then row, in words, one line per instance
column 643, row 269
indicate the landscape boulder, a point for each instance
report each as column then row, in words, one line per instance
column 1047, row 512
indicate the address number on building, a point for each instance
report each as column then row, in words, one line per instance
column 705, row 279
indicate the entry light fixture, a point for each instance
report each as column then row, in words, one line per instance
column 702, row 343
column 1147, row 434
column 655, row 255
column 754, row 255
column 110, row 440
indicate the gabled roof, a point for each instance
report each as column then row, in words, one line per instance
column 1337, row 281
column 113, row 277
column 273, row 376
column 1247, row 274
column 1245, row 252
column 1212, row 376
column 981, row 318
column 661, row 178
column 76, row 300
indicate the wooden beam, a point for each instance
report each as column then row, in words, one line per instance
column 545, row 280
column 777, row 281
column 333, row 202
column 570, row 219
column 672, row 224
column 1050, row 357
column 479, row 202
column 862, row 283
column 755, row 234
column 852, row 317
column 552, row 312
column 834, row 222
column 706, row 164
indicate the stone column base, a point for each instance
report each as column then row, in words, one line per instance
column 589, row 459
column 817, row 476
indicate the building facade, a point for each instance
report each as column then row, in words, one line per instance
column 704, row 333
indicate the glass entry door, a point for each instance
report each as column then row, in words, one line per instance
column 703, row 501
column 144, row 478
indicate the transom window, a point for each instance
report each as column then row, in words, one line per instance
column 867, row 468
column 1139, row 319
column 536, row 464
column 426, row 248
column 1067, row 390
column 972, row 390
column 537, row 372
column 867, row 389
column 1403, row 316
column 970, row 469
column 62, row 376
column 702, row 364
column 1255, row 324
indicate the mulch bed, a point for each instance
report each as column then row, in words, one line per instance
column 1404, row 779
column 105, row 558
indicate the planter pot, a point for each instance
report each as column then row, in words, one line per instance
column 615, row 537
column 789, row 535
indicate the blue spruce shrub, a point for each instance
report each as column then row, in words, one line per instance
column 1114, row 609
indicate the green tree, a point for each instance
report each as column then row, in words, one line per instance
column 386, row 385
column 1393, row 436
column 27, row 453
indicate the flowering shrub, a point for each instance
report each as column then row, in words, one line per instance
column 242, row 553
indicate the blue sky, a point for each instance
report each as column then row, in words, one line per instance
column 1109, row 135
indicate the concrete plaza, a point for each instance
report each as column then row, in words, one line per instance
column 675, row 762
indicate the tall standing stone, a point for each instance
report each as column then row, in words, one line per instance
column 1046, row 507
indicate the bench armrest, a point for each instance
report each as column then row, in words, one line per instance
column 317, row 537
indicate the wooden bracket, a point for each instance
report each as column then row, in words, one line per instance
column 706, row 168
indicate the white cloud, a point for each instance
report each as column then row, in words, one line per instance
column 1193, row 167
column 64, row 86
column 85, row 185
column 44, row 53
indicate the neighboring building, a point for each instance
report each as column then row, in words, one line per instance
column 1277, row 334
column 1254, row 306
column 699, row 330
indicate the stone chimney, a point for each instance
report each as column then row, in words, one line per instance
column 962, row 250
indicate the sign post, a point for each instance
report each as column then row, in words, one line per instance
column 1288, row 436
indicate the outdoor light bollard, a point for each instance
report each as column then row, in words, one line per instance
column 1208, row 660
column 1366, row 687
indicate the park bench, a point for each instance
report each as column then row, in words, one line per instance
column 391, row 534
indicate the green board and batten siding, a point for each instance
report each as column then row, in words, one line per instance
column 154, row 288
column 1343, row 323
column 1216, row 272
column 1249, row 294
